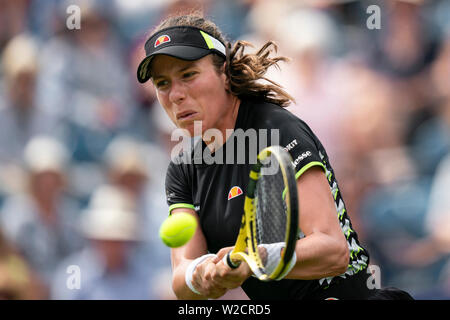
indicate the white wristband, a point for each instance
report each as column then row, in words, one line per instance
column 273, row 255
column 191, row 268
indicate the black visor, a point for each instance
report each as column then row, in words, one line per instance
column 186, row 43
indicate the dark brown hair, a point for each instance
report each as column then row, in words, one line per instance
column 245, row 71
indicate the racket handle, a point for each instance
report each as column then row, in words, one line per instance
column 229, row 262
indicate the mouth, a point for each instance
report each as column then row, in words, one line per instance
column 186, row 115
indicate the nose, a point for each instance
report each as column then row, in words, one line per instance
column 177, row 92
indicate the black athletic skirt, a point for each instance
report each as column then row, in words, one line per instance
column 357, row 287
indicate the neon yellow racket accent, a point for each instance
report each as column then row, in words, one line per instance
column 269, row 226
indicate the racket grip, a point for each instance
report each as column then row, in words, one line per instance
column 229, row 262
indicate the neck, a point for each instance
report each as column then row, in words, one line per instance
column 228, row 122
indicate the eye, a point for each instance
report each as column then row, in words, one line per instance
column 161, row 84
column 189, row 74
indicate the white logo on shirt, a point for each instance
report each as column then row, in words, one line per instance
column 291, row 145
column 301, row 157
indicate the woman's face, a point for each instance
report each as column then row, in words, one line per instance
column 192, row 91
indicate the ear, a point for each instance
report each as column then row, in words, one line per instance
column 224, row 76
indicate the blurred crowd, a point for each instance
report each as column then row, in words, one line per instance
column 84, row 147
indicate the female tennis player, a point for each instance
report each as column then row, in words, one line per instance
column 199, row 76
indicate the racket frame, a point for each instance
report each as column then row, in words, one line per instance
column 247, row 238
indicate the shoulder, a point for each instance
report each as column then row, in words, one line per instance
column 269, row 115
column 175, row 170
column 180, row 167
column 288, row 126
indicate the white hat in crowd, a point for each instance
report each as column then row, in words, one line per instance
column 125, row 154
column 45, row 153
column 110, row 216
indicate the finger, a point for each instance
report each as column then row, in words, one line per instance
column 214, row 289
column 201, row 275
column 202, row 281
column 210, row 271
column 200, row 268
column 229, row 278
column 222, row 252
column 245, row 270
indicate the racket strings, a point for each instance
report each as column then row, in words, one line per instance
column 271, row 214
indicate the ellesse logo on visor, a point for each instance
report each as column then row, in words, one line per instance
column 162, row 39
column 234, row 192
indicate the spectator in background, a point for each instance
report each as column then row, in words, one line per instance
column 20, row 118
column 126, row 164
column 84, row 81
column 107, row 264
column 407, row 46
column 433, row 248
column 13, row 19
column 395, row 200
column 231, row 15
column 312, row 75
column 18, row 281
column 394, row 138
column 432, row 136
column 40, row 221
column 138, row 168
column 385, row 188
column 409, row 41
column 437, row 244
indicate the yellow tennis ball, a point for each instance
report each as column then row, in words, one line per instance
column 177, row 229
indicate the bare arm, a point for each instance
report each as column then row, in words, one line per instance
column 182, row 257
column 324, row 251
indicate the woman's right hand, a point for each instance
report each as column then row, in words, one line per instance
column 204, row 281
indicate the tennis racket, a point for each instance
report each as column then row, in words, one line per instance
column 269, row 228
